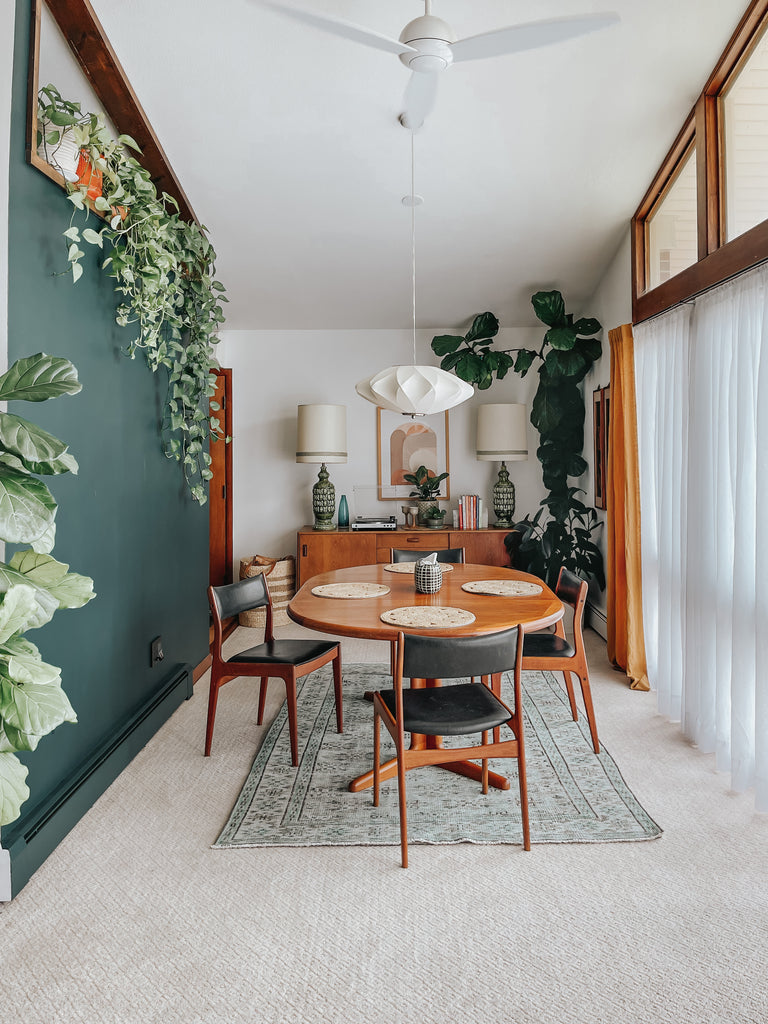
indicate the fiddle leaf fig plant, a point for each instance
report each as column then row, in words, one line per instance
column 33, row 585
column 562, row 536
column 163, row 268
column 426, row 484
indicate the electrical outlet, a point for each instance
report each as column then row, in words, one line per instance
column 156, row 651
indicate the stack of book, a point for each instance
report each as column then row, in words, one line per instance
column 470, row 511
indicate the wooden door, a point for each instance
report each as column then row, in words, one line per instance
column 220, row 487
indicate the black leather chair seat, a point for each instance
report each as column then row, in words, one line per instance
column 449, row 710
column 546, row 645
column 290, row 652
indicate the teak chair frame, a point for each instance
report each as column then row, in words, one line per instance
column 428, row 749
column 571, row 590
column 223, row 670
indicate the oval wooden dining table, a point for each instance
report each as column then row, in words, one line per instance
column 361, row 617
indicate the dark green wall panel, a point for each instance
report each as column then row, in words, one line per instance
column 125, row 519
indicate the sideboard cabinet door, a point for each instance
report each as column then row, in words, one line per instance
column 321, row 552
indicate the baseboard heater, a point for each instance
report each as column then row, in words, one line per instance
column 64, row 808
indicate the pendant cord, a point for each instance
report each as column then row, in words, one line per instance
column 413, row 247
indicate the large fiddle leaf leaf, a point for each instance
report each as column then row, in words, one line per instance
column 37, row 378
column 485, row 325
column 549, row 307
column 27, row 507
column 16, row 609
column 32, row 702
column 70, row 589
column 37, row 450
column 13, row 788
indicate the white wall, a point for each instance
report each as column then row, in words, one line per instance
column 611, row 304
column 274, row 372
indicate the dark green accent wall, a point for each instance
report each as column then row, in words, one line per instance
column 125, row 519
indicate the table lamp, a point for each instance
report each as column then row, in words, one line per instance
column 501, row 437
column 322, row 437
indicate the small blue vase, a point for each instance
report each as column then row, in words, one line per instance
column 343, row 513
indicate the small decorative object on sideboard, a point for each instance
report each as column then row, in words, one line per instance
column 343, row 517
column 434, row 518
column 410, row 512
column 428, row 575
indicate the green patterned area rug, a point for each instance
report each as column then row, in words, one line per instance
column 575, row 795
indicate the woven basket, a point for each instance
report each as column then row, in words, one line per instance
column 281, row 579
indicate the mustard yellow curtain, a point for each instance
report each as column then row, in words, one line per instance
column 626, row 646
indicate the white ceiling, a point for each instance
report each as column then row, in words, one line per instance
column 287, row 143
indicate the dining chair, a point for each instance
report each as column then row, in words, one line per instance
column 429, row 709
column 553, row 651
column 288, row 660
column 409, row 555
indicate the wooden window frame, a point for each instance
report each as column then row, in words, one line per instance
column 718, row 260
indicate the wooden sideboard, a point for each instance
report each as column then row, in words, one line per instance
column 320, row 551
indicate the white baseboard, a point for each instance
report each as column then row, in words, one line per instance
column 596, row 619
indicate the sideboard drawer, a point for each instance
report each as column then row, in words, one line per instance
column 423, row 540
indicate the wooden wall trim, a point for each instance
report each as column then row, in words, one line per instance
column 87, row 40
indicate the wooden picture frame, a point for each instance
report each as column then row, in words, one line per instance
column 601, row 413
column 399, row 448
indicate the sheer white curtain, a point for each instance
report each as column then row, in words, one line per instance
column 702, row 401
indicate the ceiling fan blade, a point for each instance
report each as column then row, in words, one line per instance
column 419, row 99
column 338, row 27
column 529, row 36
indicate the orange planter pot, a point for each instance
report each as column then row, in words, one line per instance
column 89, row 175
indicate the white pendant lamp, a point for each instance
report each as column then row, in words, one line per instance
column 410, row 389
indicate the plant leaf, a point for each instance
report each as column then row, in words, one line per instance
column 588, row 326
column 485, row 325
column 549, row 307
column 561, row 338
column 27, row 507
column 37, row 378
column 17, row 607
column 70, row 589
column 39, row 451
column 524, row 360
column 442, row 344
column 32, row 710
column 13, row 788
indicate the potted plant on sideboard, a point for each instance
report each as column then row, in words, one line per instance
column 426, row 487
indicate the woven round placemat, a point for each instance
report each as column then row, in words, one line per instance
column 502, row 588
column 350, row 590
column 411, row 567
column 423, row 618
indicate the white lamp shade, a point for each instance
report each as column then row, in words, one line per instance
column 502, row 433
column 414, row 390
column 322, row 433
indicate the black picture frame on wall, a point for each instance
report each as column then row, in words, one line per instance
column 601, row 413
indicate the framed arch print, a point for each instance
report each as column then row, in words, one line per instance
column 403, row 444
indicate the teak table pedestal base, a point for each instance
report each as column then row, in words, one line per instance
column 468, row 769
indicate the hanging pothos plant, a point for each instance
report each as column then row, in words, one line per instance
column 33, row 585
column 163, row 268
column 568, row 350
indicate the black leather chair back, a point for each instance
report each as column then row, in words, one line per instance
column 455, row 555
column 441, row 657
column 241, row 597
column 569, row 587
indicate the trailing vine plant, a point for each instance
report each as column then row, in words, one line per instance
column 560, row 533
column 163, row 267
column 33, row 585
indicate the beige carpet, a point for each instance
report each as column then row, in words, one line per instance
column 135, row 919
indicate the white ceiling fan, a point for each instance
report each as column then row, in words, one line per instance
column 427, row 45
